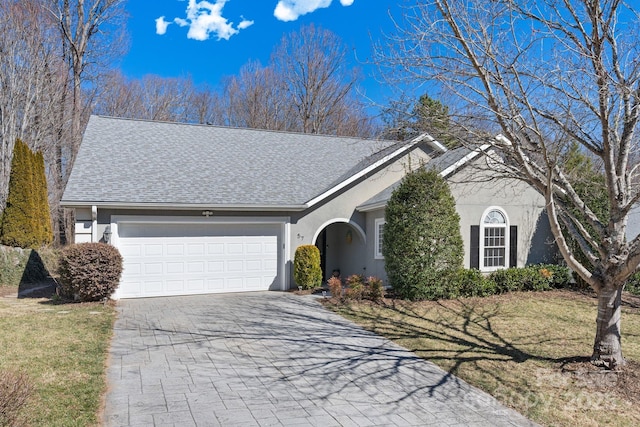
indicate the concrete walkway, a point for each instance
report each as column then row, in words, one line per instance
column 274, row 359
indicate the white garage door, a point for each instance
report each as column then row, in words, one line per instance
column 162, row 259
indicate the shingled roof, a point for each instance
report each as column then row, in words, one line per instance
column 446, row 164
column 124, row 162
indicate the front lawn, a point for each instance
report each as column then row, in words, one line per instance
column 63, row 350
column 530, row 350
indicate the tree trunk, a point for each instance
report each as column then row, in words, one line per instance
column 607, row 350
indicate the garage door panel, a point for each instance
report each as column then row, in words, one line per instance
column 235, row 266
column 153, row 250
column 174, row 285
column 215, row 284
column 181, row 259
column 152, row 287
column 195, row 267
column 175, row 268
column 235, row 248
column 175, row 249
column 154, row 268
column 215, row 267
column 254, row 265
column 195, row 285
column 215, row 248
column 254, row 248
column 195, row 249
column 234, row 283
column 130, row 250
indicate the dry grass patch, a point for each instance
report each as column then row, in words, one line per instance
column 529, row 350
column 63, row 350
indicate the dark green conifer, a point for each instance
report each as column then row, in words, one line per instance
column 26, row 220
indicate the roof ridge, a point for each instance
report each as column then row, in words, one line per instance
column 209, row 126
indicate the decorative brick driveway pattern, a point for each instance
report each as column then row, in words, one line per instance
column 274, row 359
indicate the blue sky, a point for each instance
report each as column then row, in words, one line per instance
column 209, row 40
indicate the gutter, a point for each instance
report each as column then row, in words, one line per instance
column 184, row 206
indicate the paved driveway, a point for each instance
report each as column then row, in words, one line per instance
column 273, row 359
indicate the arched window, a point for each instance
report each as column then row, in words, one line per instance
column 494, row 240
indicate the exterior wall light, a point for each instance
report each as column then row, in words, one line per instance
column 106, row 236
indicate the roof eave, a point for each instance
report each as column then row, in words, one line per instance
column 372, row 207
column 463, row 161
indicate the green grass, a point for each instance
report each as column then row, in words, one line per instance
column 63, row 349
column 529, row 350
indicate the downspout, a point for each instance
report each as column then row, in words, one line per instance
column 94, row 223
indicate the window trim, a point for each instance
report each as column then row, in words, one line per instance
column 483, row 227
column 377, row 254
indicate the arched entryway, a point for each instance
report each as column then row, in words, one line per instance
column 342, row 245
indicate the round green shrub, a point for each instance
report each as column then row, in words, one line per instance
column 421, row 236
column 89, row 271
column 306, row 267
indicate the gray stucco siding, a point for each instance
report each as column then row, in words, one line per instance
column 475, row 192
column 306, row 225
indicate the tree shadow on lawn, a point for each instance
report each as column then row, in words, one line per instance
column 36, row 280
column 462, row 332
column 287, row 345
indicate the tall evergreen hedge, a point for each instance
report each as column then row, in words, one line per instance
column 421, row 235
column 26, row 220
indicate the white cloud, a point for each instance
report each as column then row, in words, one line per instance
column 161, row 25
column 290, row 10
column 204, row 19
column 244, row 24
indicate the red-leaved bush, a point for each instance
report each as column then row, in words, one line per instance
column 89, row 271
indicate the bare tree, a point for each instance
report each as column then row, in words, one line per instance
column 150, row 98
column 255, row 98
column 119, row 96
column 91, row 35
column 32, row 81
column 320, row 87
column 546, row 74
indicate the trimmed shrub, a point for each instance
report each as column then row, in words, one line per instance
column 374, row 290
column 15, row 390
column 461, row 282
column 306, row 267
column 355, row 287
column 470, row 283
column 541, row 277
column 89, row 271
column 335, row 288
column 421, row 235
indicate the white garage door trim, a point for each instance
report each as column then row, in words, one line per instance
column 282, row 224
